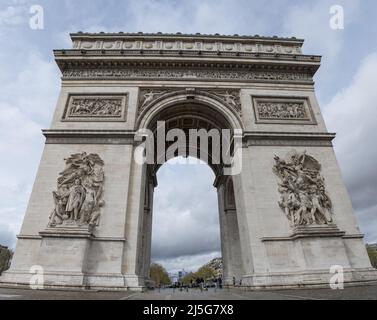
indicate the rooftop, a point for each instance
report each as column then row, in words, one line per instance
column 81, row 34
column 137, row 51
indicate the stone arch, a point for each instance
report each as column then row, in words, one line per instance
column 203, row 107
column 178, row 97
column 185, row 109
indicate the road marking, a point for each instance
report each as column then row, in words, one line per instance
column 297, row 297
column 129, row 297
column 9, row 295
column 277, row 293
column 239, row 296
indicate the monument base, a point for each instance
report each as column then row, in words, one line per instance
column 62, row 262
column 74, row 281
column 306, row 279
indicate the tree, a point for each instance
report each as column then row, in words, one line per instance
column 372, row 252
column 188, row 278
column 159, row 275
column 206, row 273
column 5, row 257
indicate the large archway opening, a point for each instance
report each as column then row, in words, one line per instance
column 185, row 227
column 207, row 120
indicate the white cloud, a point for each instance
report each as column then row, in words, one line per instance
column 310, row 21
column 7, row 236
column 21, row 146
column 34, row 89
column 189, row 263
column 11, row 16
column 27, row 101
column 14, row 13
column 352, row 113
column 186, row 218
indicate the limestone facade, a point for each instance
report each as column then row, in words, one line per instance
column 115, row 84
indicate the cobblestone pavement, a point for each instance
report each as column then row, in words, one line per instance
column 368, row 292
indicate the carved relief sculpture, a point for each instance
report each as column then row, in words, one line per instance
column 95, row 107
column 275, row 110
column 230, row 97
column 283, row 110
column 147, row 96
column 78, row 198
column 304, row 199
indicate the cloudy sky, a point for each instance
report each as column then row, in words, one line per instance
column 186, row 232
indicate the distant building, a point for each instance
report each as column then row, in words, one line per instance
column 217, row 265
column 173, row 277
column 177, row 277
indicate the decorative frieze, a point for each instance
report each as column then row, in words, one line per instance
column 283, row 110
column 184, row 74
column 96, row 108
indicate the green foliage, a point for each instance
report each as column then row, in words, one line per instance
column 188, row 278
column 159, row 275
column 5, row 257
column 372, row 252
column 205, row 273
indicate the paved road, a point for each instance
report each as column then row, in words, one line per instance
column 364, row 292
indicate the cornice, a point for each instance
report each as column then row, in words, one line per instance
column 62, row 136
column 179, row 35
column 250, row 138
column 313, row 139
column 177, row 56
column 192, row 59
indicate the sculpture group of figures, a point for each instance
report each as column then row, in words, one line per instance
column 304, row 199
column 96, row 107
column 282, row 111
column 78, row 198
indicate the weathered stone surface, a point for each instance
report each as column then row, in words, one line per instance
column 126, row 82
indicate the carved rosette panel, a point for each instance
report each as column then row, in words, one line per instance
column 304, row 199
column 96, row 108
column 283, row 110
column 230, row 97
column 78, row 198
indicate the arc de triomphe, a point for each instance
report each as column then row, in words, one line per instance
column 285, row 217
